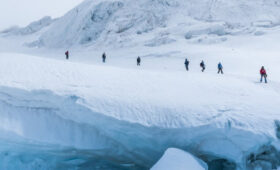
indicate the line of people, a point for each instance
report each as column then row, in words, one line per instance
column 187, row 63
column 220, row 69
column 104, row 57
column 203, row 66
column 138, row 60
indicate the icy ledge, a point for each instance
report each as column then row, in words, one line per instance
column 46, row 118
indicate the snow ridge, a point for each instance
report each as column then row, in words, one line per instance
column 32, row 28
column 123, row 22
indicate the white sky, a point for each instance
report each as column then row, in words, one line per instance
column 22, row 12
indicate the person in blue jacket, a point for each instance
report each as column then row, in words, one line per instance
column 187, row 62
column 220, row 68
column 202, row 65
column 104, row 57
column 138, row 61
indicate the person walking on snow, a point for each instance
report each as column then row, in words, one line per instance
column 202, row 65
column 263, row 74
column 104, row 57
column 138, row 61
column 187, row 62
column 67, row 55
column 220, row 68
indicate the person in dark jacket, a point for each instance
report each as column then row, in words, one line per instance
column 138, row 61
column 67, row 55
column 220, row 68
column 263, row 74
column 187, row 62
column 202, row 65
column 104, row 57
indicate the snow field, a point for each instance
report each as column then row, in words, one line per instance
column 144, row 111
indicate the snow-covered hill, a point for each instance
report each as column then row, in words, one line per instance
column 32, row 28
column 122, row 23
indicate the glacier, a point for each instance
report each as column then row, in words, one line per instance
column 83, row 114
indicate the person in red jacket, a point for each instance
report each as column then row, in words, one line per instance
column 263, row 74
column 67, row 55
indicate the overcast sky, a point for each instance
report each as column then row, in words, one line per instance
column 22, row 12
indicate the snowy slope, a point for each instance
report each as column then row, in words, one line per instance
column 141, row 112
column 32, row 28
column 122, row 23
